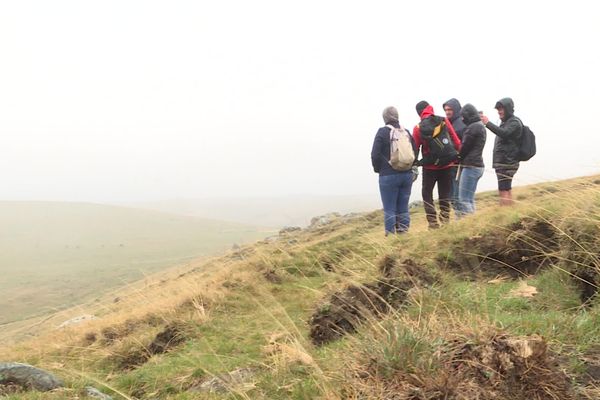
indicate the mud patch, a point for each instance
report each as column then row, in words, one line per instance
column 7, row 389
column 173, row 335
column 491, row 366
column 509, row 367
column 520, row 250
column 115, row 332
column 272, row 276
column 344, row 311
column 581, row 252
column 591, row 373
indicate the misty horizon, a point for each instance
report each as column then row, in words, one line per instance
column 129, row 102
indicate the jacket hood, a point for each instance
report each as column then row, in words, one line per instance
column 427, row 112
column 508, row 105
column 470, row 114
column 454, row 104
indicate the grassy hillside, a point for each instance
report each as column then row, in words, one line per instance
column 57, row 254
column 500, row 305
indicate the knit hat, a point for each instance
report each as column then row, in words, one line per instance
column 421, row 106
column 390, row 114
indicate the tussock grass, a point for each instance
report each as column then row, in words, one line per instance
column 250, row 310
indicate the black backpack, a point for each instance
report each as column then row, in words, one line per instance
column 441, row 148
column 527, row 145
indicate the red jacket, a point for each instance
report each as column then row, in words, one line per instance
column 428, row 111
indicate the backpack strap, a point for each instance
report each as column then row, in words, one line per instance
column 391, row 131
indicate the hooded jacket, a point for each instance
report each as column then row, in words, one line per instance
column 380, row 153
column 428, row 112
column 457, row 123
column 474, row 136
column 508, row 137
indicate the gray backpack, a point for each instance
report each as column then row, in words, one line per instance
column 402, row 155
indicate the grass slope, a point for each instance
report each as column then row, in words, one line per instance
column 444, row 314
column 58, row 254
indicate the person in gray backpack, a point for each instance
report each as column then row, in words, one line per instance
column 395, row 167
column 506, row 147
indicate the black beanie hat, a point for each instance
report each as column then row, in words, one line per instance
column 421, row 106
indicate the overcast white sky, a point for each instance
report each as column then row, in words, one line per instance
column 146, row 100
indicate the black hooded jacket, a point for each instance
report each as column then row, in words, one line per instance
column 508, row 137
column 457, row 123
column 471, row 152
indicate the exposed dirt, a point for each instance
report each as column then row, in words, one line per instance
column 580, row 251
column 343, row 312
column 588, row 284
column 495, row 366
column 272, row 276
column 90, row 338
column 591, row 361
column 7, row 389
column 173, row 335
column 115, row 332
column 522, row 249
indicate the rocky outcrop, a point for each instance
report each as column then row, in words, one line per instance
column 28, row 377
column 77, row 320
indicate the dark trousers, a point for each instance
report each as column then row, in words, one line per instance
column 443, row 178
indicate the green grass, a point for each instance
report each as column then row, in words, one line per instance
column 404, row 345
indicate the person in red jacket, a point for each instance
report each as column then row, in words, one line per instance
column 436, row 170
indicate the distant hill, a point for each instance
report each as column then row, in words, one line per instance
column 267, row 211
column 57, row 254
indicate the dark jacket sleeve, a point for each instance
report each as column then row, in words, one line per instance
column 376, row 152
column 510, row 130
column 469, row 139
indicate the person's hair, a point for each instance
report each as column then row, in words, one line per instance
column 421, row 106
column 390, row 114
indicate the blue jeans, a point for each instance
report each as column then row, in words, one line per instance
column 395, row 192
column 469, row 176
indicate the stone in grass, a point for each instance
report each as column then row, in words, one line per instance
column 95, row 393
column 28, row 377
column 226, row 382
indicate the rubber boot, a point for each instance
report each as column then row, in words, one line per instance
column 505, row 197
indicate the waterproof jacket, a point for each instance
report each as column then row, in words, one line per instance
column 508, row 137
column 428, row 112
column 457, row 123
column 380, row 153
column 474, row 136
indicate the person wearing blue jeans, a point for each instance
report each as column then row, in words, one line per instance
column 471, row 159
column 467, row 185
column 394, row 186
column 395, row 193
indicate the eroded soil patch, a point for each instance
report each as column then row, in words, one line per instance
column 486, row 367
column 343, row 311
column 519, row 250
column 173, row 335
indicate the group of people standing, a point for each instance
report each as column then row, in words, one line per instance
column 452, row 158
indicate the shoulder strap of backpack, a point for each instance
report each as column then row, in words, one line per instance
column 391, row 131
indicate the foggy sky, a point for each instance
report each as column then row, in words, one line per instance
column 149, row 100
